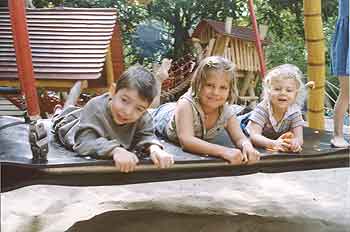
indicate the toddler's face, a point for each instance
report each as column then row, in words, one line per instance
column 215, row 91
column 127, row 106
column 283, row 92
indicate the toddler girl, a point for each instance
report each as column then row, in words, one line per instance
column 279, row 112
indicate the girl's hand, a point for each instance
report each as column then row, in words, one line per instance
column 233, row 156
column 160, row 157
column 124, row 160
column 250, row 152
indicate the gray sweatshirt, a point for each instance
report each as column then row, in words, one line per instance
column 91, row 131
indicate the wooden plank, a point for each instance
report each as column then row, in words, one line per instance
column 57, row 60
column 52, row 77
column 8, row 107
column 56, row 70
column 12, row 113
column 53, row 65
column 80, row 42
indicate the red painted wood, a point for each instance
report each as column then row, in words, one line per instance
column 257, row 39
column 23, row 56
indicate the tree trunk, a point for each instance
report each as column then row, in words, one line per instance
column 179, row 44
column 29, row 4
column 316, row 61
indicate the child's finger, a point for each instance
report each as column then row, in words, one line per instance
column 286, row 145
column 287, row 140
column 168, row 161
column 135, row 159
column 155, row 159
column 244, row 156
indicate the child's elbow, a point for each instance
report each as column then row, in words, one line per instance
column 184, row 142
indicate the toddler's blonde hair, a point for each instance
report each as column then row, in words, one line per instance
column 284, row 72
column 214, row 63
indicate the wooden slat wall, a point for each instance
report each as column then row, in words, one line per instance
column 66, row 43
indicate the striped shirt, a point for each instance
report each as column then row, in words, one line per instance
column 271, row 128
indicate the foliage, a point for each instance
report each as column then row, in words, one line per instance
column 178, row 17
column 182, row 15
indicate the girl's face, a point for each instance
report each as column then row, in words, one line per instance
column 127, row 106
column 283, row 93
column 215, row 90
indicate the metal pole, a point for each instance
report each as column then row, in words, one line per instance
column 257, row 39
column 24, row 56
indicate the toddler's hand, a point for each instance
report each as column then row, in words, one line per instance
column 279, row 145
column 294, row 145
column 249, row 151
column 124, row 160
column 234, row 156
column 160, row 157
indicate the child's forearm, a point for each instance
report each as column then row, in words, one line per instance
column 88, row 144
column 241, row 142
column 298, row 134
column 199, row 146
column 261, row 141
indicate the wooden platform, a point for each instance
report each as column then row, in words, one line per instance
column 65, row 167
column 7, row 108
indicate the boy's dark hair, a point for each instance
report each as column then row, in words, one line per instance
column 139, row 78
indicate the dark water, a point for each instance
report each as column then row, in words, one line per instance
column 157, row 221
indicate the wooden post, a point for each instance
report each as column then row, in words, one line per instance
column 316, row 62
column 109, row 68
column 257, row 39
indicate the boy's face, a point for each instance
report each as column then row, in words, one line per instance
column 283, row 92
column 127, row 106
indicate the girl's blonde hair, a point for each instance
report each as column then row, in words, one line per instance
column 213, row 63
column 284, row 72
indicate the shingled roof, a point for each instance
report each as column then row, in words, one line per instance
column 66, row 43
column 243, row 33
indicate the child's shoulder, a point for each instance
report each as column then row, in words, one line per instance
column 98, row 102
column 262, row 106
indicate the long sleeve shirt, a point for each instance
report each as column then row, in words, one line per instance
column 91, row 130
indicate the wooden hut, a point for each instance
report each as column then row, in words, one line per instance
column 238, row 45
column 67, row 44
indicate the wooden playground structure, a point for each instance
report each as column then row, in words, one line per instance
column 57, row 50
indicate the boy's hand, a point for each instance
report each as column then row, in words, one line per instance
column 234, row 156
column 250, row 152
column 160, row 157
column 124, row 160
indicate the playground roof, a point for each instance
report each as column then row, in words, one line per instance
column 66, row 43
column 243, row 33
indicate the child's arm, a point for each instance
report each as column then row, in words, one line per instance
column 237, row 136
column 145, row 140
column 89, row 143
column 188, row 141
column 298, row 140
column 160, row 157
column 255, row 132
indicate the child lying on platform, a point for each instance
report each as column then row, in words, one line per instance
column 203, row 113
column 115, row 124
column 276, row 123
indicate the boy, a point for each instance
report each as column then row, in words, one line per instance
column 115, row 123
